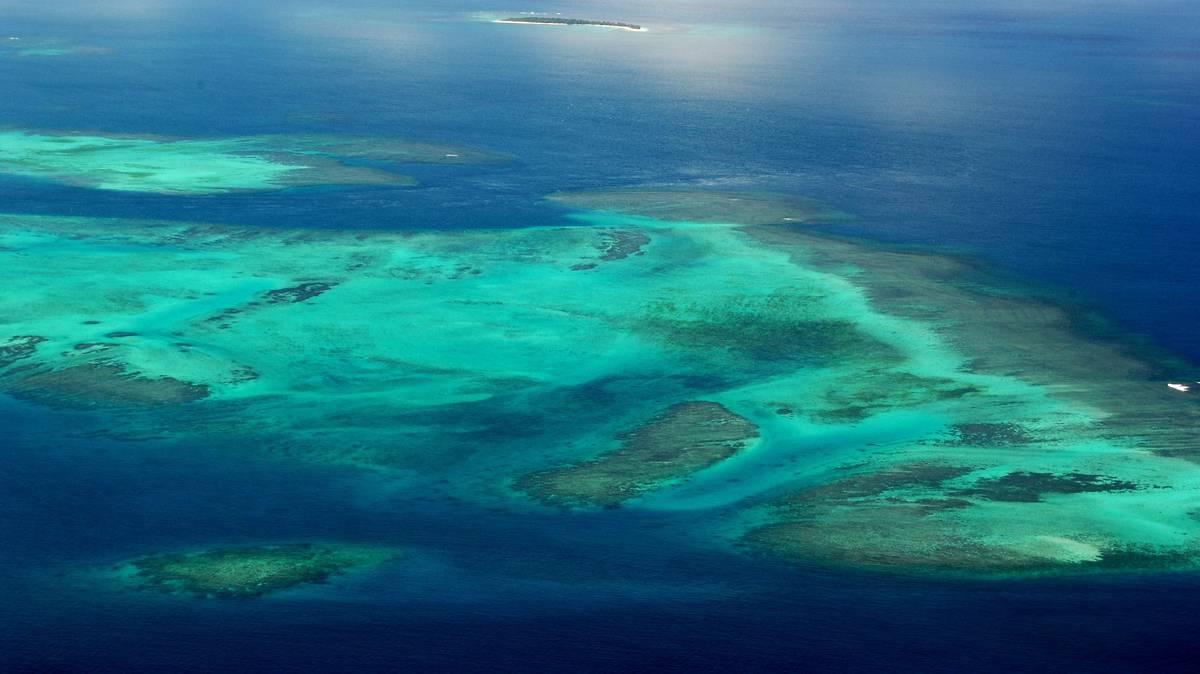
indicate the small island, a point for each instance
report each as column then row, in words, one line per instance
column 555, row 21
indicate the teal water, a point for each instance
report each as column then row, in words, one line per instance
column 1056, row 144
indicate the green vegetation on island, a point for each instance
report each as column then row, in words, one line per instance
column 557, row 21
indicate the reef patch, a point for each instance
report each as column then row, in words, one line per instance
column 250, row 571
column 299, row 293
column 983, row 434
column 1029, row 487
column 681, row 440
column 892, row 517
column 620, row 244
column 859, row 398
column 786, row 325
column 198, row 166
column 99, row 385
column 18, row 348
column 986, row 433
column 677, row 204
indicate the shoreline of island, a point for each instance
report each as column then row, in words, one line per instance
column 550, row 21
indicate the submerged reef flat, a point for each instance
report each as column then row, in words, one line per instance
column 215, row 166
column 17, row 348
column 684, row 438
column 705, row 206
column 906, row 411
column 102, row 384
column 396, row 350
column 250, row 571
column 45, row 47
column 380, row 149
column 1018, row 442
column 788, row 325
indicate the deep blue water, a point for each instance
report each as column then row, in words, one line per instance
column 1059, row 144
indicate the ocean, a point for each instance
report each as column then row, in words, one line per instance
column 1054, row 146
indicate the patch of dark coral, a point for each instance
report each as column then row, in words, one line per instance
column 620, row 244
column 243, row 374
column 869, row 485
column 245, row 571
column 940, row 504
column 989, row 435
column 19, row 348
column 101, row 385
column 682, row 439
column 888, row 392
column 94, row 346
column 298, row 293
column 762, row 337
column 1029, row 487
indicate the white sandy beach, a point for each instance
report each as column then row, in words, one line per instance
column 593, row 25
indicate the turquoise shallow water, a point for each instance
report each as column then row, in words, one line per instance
column 1056, row 144
column 791, row 455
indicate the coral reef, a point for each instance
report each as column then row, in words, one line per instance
column 251, row 571
column 684, row 438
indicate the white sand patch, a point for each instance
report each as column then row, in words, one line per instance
column 589, row 25
column 1064, row 549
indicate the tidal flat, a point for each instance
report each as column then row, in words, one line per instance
column 841, row 403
